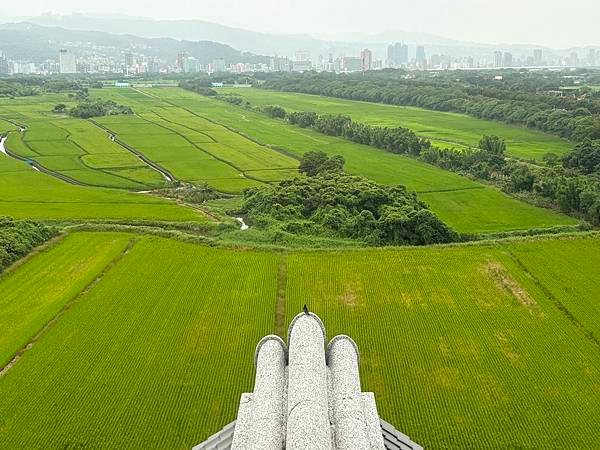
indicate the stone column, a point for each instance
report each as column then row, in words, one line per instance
column 268, row 412
column 308, row 425
column 348, row 413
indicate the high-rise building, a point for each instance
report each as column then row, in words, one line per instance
column 190, row 65
column 180, row 59
column 218, row 65
column 592, row 57
column 420, row 57
column 397, row 54
column 67, row 62
column 507, row 59
column 366, row 57
column 280, row 64
column 537, row 57
column 497, row 58
column 574, row 59
column 4, row 67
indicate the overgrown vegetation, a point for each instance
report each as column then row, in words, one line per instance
column 331, row 202
column 93, row 108
column 190, row 193
column 28, row 86
column 17, row 238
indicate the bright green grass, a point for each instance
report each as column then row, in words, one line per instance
column 139, row 364
column 447, row 129
column 492, row 215
column 61, row 144
column 30, row 194
column 462, row 346
column 191, row 147
column 465, row 209
column 568, row 269
column 35, row 292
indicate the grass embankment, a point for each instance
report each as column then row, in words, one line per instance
column 459, row 343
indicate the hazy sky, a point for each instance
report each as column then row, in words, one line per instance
column 553, row 23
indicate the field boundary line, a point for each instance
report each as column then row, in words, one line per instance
column 227, row 127
column 30, row 343
column 280, row 302
column 589, row 335
column 164, row 172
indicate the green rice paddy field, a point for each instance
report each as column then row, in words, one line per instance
column 443, row 128
column 466, row 205
column 468, row 346
column 28, row 194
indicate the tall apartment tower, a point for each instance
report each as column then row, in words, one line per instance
column 366, row 57
column 497, row 58
column 537, row 57
column 67, row 62
column 420, row 56
column 397, row 54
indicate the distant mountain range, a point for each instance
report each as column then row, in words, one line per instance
column 43, row 35
column 265, row 43
column 28, row 41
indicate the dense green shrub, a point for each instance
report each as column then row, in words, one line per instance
column 17, row 238
column 98, row 108
column 333, row 203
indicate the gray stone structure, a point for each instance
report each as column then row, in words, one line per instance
column 307, row 395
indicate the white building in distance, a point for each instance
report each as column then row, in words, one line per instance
column 67, row 62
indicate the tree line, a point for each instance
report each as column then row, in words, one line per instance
column 531, row 100
column 17, row 238
column 28, row 86
column 570, row 183
column 329, row 202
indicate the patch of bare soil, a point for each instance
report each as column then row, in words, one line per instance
column 506, row 283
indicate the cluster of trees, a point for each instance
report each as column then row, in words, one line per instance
column 524, row 99
column 27, row 86
column 93, row 108
column 329, row 202
column 17, row 238
column 395, row 140
column 571, row 184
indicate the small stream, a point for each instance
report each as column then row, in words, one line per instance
column 2, row 149
column 243, row 225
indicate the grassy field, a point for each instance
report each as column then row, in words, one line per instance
column 463, row 203
column 444, row 128
column 193, row 148
column 30, row 194
column 35, row 293
column 75, row 148
column 471, row 346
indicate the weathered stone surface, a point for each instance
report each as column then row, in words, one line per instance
column 307, row 395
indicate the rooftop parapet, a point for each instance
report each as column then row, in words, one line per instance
column 307, row 395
